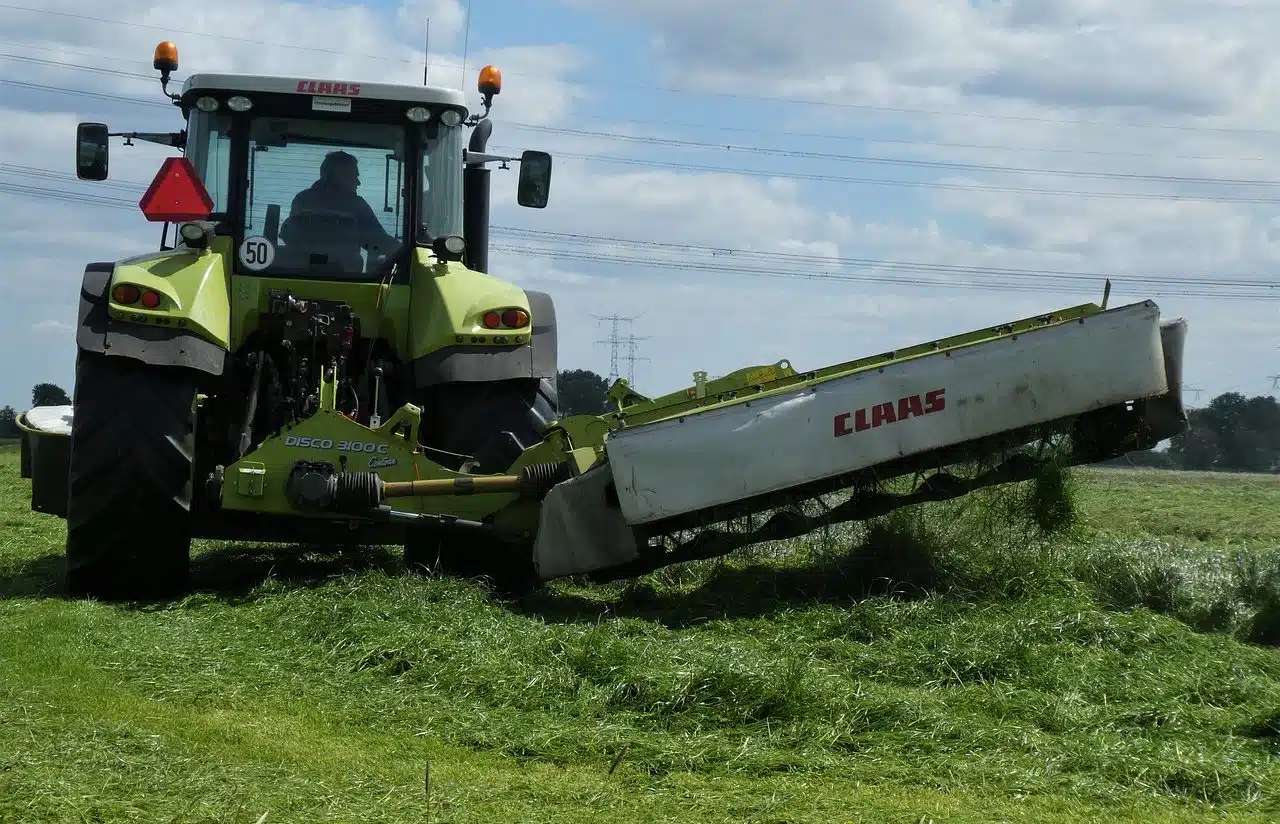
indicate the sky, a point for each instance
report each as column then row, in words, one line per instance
column 743, row 182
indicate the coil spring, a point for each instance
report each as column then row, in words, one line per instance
column 356, row 491
column 543, row 476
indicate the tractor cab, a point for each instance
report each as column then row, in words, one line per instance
column 324, row 178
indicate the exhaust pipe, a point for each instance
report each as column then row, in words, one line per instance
column 475, row 201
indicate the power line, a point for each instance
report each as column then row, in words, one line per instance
column 685, row 257
column 684, row 250
column 63, row 64
column 120, row 98
column 760, row 173
column 798, row 154
column 716, row 127
column 766, row 272
column 893, row 161
column 787, row 100
column 775, row 258
column 927, row 184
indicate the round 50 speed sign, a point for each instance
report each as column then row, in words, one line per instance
column 257, row 253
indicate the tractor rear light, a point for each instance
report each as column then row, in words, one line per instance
column 150, row 299
column 492, row 320
column 515, row 318
column 125, row 293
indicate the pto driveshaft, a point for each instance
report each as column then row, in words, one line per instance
column 458, row 486
column 313, row 487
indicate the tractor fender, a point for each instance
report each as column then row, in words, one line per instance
column 537, row 359
column 154, row 345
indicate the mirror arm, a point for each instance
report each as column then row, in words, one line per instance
column 470, row 158
column 177, row 140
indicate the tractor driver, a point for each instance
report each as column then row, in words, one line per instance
column 335, row 192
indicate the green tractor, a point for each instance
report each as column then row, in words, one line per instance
column 326, row 291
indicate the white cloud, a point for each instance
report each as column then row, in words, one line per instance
column 1032, row 81
column 52, row 327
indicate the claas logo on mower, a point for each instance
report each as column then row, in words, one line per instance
column 888, row 412
column 300, row 442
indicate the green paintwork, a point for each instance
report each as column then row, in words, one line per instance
column 441, row 306
column 625, row 397
column 448, row 302
column 193, row 285
column 325, row 437
column 582, row 432
column 441, row 302
column 256, row 483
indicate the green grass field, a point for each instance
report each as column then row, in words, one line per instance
column 1127, row 669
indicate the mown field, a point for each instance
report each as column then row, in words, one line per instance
column 1126, row 668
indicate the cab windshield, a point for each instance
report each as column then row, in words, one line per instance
column 328, row 199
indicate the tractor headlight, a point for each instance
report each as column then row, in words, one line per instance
column 239, row 103
column 195, row 234
column 450, row 117
column 449, row 247
column 418, row 114
column 207, row 104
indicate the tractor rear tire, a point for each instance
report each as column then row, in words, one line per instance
column 493, row 422
column 130, row 483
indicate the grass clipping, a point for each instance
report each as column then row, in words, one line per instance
column 994, row 541
column 1012, row 541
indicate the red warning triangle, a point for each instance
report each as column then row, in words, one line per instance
column 176, row 194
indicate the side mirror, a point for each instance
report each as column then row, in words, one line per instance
column 91, row 151
column 535, row 179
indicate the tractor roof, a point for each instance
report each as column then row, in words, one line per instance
column 322, row 86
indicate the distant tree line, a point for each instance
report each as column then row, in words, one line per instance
column 1232, row 433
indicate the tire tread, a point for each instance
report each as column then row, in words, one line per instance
column 132, row 452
